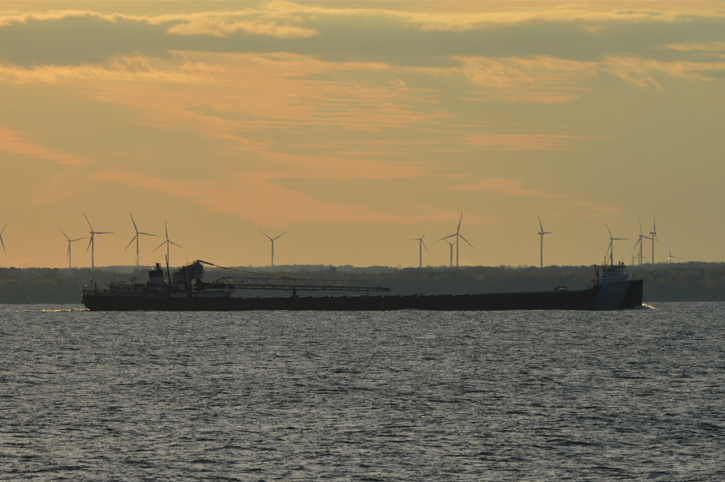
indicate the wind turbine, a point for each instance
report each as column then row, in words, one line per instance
column 542, row 233
column 654, row 236
column 168, row 243
column 451, row 245
column 670, row 257
column 92, row 242
column 458, row 236
column 68, row 254
column 272, row 241
column 612, row 239
column 421, row 245
column 640, row 242
column 1, row 237
column 138, row 235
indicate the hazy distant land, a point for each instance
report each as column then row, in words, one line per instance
column 664, row 282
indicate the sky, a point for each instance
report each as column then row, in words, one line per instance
column 357, row 127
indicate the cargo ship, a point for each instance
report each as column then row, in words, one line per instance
column 185, row 290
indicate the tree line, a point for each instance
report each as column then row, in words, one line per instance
column 679, row 282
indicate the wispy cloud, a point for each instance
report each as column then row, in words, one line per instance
column 220, row 25
column 522, row 142
column 121, row 69
column 508, row 187
column 19, row 143
column 252, row 196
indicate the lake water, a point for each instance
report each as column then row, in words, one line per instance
column 394, row 396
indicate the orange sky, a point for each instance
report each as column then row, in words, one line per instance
column 357, row 126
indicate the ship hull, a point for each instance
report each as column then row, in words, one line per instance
column 590, row 299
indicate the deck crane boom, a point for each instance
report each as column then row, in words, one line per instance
column 284, row 283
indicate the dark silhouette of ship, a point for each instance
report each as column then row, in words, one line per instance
column 185, row 290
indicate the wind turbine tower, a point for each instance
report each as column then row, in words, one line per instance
column 272, row 240
column 640, row 242
column 68, row 253
column 542, row 233
column 1, row 237
column 451, row 245
column 138, row 235
column 612, row 239
column 654, row 236
column 458, row 237
column 92, row 242
column 168, row 243
column 421, row 245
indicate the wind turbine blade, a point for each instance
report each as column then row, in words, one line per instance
column 280, row 236
column 610, row 231
column 3, row 243
column 103, row 232
column 77, row 239
column 459, row 224
column 635, row 244
column 90, row 241
column 157, row 247
column 426, row 247
column 89, row 223
column 129, row 243
column 149, row 234
column 167, row 230
column 640, row 226
column 465, row 240
column 171, row 242
column 447, row 237
column 542, row 227
column 267, row 236
column 6, row 225
column 60, row 231
column 133, row 221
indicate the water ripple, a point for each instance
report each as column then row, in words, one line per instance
column 365, row 397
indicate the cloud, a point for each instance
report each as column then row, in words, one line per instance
column 713, row 46
column 418, row 33
column 508, row 187
column 644, row 72
column 252, row 196
column 515, row 187
column 122, row 68
column 18, row 143
column 219, row 26
column 522, row 142
column 533, row 79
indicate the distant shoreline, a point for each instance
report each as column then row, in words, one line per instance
column 663, row 282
